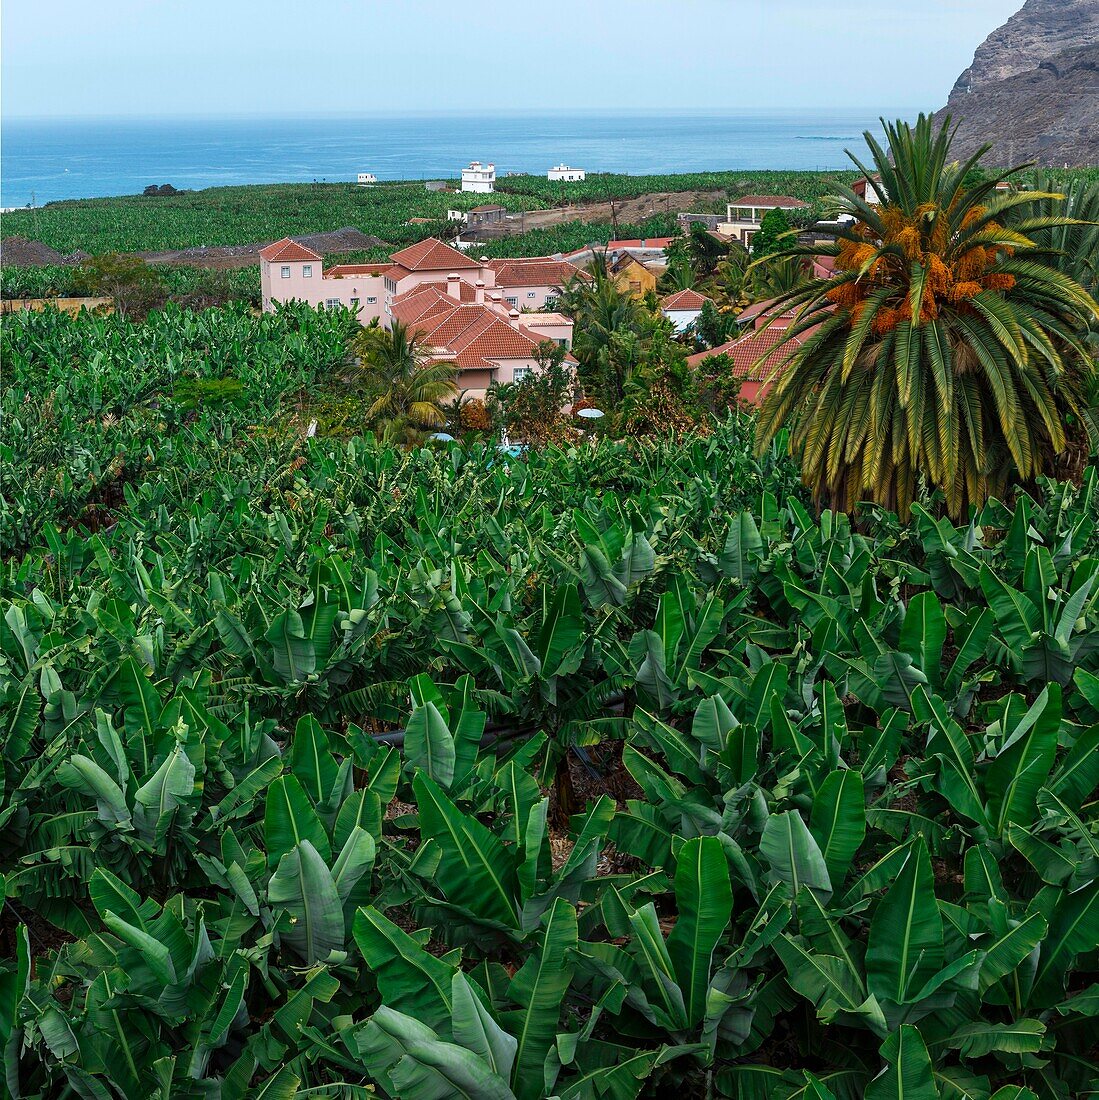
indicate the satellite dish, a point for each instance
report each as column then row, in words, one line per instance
column 442, row 437
column 591, row 414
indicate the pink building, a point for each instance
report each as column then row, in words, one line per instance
column 481, row 335
column 485, row 340
column 533, row 282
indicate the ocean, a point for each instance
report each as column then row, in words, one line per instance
column 66, row 159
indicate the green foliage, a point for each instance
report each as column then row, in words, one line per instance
column 196, row 287
column 945, row 349
column 770, row 237
column 533, row 409
column 406, row 391
column 132, row 284
column 288, row 746
column 238, row 215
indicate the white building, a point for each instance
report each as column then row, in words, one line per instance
column 684, row 308
column 367, row 178
column 564, row 172
column 479, row 177
column 744, row 216
column 866, row 190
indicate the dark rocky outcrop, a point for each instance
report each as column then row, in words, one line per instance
column 1033, row 88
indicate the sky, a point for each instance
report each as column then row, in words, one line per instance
column 209, row 58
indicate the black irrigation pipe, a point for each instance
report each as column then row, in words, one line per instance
column 497, row 732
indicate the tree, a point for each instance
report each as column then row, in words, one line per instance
column 713, row 327
column 532, row 408
column 943, row 349
column 408, row 388
column 1072, row 248
column 769, row 239
column 775, row 275
column 706, row 250
column 609, row 340
column 659, row 392
column 135, row 287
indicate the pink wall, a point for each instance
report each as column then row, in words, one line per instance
column 554, row 332
column 319, row 291
column 528, row 297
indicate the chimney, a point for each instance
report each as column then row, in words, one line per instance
column 479, row 292
column 513, row 318
column 454, row 286
column 484, row 259
column 495, row 295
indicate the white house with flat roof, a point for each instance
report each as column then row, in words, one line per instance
column 366, row 178
column 480, row 178
column 744, row 216
column 566, row 174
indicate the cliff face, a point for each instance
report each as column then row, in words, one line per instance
column 1033, row 88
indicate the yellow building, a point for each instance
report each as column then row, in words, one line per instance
column 632, row 276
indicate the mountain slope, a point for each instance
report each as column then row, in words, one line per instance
column 1033, row 87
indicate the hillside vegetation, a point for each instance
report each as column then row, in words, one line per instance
column 236, row 215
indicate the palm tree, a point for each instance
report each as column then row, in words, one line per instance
column 408, row 387
column 611, row 328
column 943, row 349
column 774, row 276
column 1073, row 247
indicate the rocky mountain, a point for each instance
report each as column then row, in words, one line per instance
column 1033, row 87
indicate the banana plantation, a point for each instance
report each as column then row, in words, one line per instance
column 598, row 770
column 335, row 770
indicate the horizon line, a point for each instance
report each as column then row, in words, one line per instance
column 470, row 112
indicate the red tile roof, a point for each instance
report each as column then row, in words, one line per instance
column 534, row 271
column 755, row 354
column 286, row 251
column 457, row 326
column 495, row 339
column 685, row 299
column 466, row 291
column 420, row 303
column 767, row 200
column 473, row 335
column 644, row 242
column 431, row 254
column 345, row 271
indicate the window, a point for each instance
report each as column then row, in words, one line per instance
column 391, row 285
column 512, row 301
column 532, row 293
column 286, row 271
column 372, row 301
column 521, row 373
column 331, row 303
column 354, row 301
column 307, row 271
column 564, row 343
column 635, row 286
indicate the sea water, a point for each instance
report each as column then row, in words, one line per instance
column 63, row 159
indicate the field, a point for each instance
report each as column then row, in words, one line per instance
column 236, row 215
column 243, row 284
column 608, row 771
